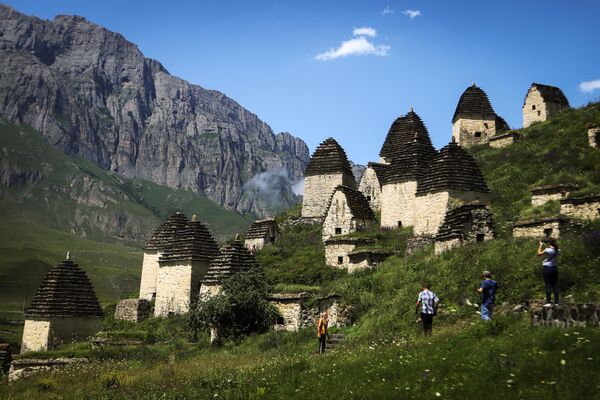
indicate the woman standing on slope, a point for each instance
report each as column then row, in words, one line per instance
column 550, row 265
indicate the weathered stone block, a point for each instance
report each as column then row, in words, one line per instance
column 587, row 207
column 134, row 310
column 44, row 333
column 26, row 367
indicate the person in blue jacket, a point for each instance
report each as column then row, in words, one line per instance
column 487, row 288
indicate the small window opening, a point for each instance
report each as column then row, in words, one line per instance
column 340, row 260
column 338, row 231
column 280, row 321
column 539, row 113
column 272, row 239
column 477, row 134
column 548, row 232
column 399, row 224
column 480, row 237
column 485, row 125
column 171, row 314
column 368, row 198
column 533, row 107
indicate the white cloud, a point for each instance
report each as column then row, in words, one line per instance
column 589, row 86
column 357, row 46
column 364, row 31
column 412, row 13
column 387, row 11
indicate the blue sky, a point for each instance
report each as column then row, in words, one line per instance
column 278, row 58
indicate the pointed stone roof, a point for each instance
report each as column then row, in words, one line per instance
column 357, row 202
column 164, row 236
column 410, row 161
column 459, row 220
column 193, row 242
column 379, row 170
column 328, row 158
column 474, row 103
column 501, row 125
column 233, row 258
column 402, row 131
column 550, row 94
column 452, row 168
column 262, row 228
column 66, row 291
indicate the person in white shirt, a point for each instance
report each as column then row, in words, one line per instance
column 427, row 301
column 550, row 269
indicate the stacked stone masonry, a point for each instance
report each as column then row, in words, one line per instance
column 327, row 169
column 542, row 102
column 370, row 184
column 540, row 228
column 464, row 224
column 362, row 259
column 261, row 233
column 586, row 207
column 566, row 316
column 297, row 312
column 594, row 137
column 26, row 367
column 133, row 310
column 348, row 212
column 540, row 195
column 337, row 251
column 403, row 130
column 500, row 141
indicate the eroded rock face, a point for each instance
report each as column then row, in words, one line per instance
column 92, row 93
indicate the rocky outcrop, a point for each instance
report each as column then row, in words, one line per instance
column 92, row 93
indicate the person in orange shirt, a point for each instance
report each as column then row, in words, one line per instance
column 322, row 332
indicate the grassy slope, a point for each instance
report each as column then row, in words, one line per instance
column 386, row 356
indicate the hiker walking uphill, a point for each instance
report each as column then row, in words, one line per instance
column 550, row 268
column 427, row 302
column 487, row 288
column 322, row 331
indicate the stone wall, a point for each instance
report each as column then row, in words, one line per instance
column 41, row 334
column 26, row 367
column 534, row 109
column 415, row 244
column 318, row 190
column 339, row 216
column 541, row 199
column 369, row 186
column 398, row 204
column 464, row 131
column 504, row 140
column 208, row 291
column 298, row 312
column 539, row 229
column 149, row 274
column 565, row 316
column 594, row 137
column 335, row 250
column 583, row 210
column 446, row 244
column 177, row 285
column 258, row 243
column 134, row 310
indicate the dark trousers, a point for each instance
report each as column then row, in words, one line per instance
column 322, row 342
column 551, row 283
column 427, row 320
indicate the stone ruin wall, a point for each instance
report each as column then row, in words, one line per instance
column 446, row 244
column 318, row 190
column 594, row 137
column 149, row 275
column 398, row 204
column 541, row 199
column 43, row 333
column 369, row 186
column 338, row 216
column 503, row 142
column 26, row 367
column 566, row 316
column 177, row 286
column 335, row 250
column 297, row 315
column 589, row 210
column 291, row 312
column 133, row 310
column 258, row 243
column 463, row 131
column 534, row 98
column 537, row 231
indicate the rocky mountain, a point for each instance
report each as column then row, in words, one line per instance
column 92, row 93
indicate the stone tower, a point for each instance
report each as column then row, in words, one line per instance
column 328, row 168
column 542, row 102
column 181, row 268
column 65, row 308
column 412, row 155
column 452, row 179
column 370, row 184
column 348, row 212
column 162, row 238
column 474, row 121
column 233, row 258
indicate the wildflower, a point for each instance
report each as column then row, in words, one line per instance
column 438, row 394
column 563, row 362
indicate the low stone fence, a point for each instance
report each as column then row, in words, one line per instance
column 26, row 367
column 565, row 316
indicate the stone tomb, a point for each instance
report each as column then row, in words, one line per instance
column 474, row 121
column 594, row 136
column 162, row 239
column 338, row 249
column 65, row 308
column 465, row 224
column 542, row 102
column 327, row 169
column 302, row 310
column 134, row 310
column 540, row 228
column 233, row 258
column 348, row 212
column 366, row 259
column 370, row 184
column 182, row 267
column 540, row 195
column 585, row 207
column 261, row 233
column 506, row 139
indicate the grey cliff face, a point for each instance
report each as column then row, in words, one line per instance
column 92, row 93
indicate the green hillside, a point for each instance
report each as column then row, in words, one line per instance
column 386, row 355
